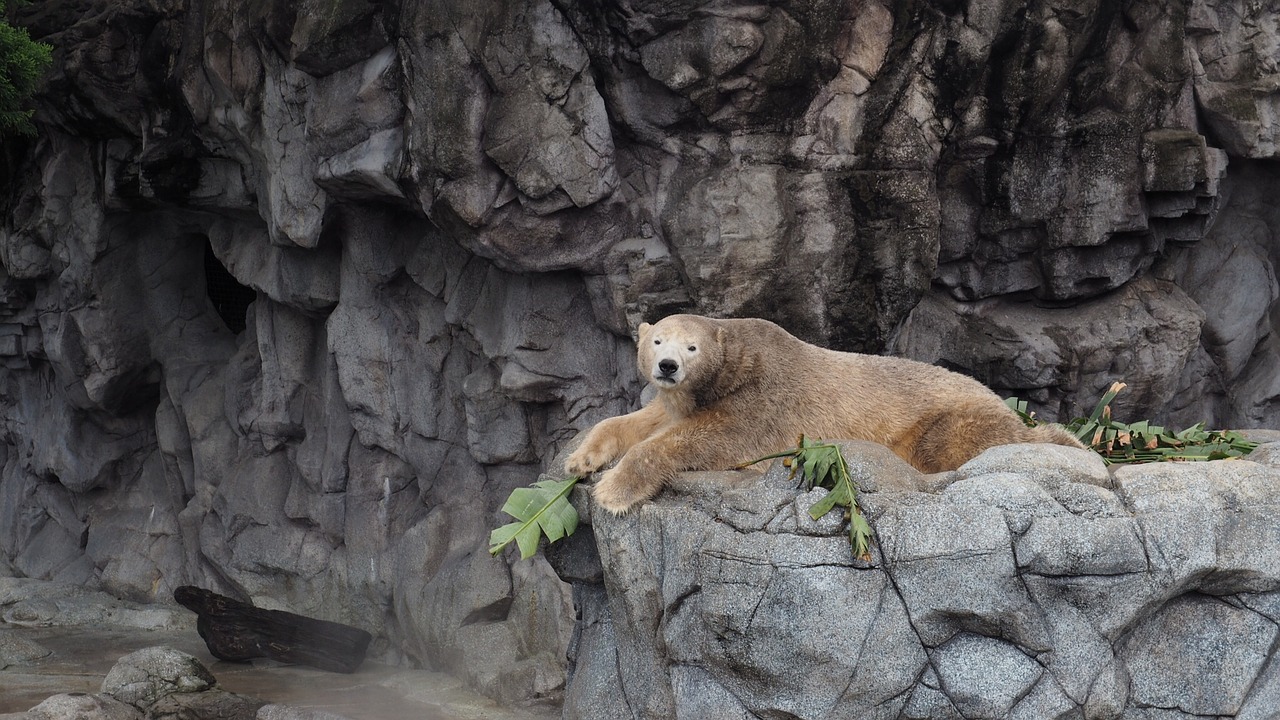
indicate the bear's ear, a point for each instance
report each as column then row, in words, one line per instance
column 643, row 331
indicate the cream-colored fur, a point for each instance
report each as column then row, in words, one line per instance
column 730, row 391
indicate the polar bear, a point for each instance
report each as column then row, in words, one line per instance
column 729, row 391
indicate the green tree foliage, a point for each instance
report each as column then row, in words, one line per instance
column 22, row 62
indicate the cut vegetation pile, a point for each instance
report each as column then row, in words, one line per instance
column 1144, row 441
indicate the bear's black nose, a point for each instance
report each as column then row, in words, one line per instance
column 668, row 367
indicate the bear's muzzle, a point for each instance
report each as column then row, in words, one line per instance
column 667, row 372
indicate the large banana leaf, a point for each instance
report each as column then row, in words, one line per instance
column 541, row 509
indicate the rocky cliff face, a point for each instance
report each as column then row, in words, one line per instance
column 447, row 216
column 1031, row 583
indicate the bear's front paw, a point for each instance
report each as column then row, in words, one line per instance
column 618, row 492
column 586, row 460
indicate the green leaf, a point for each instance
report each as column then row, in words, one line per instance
column 527, row 540
column 1102, row 409
column 860, row 535
column 823, row 506
column 1086, row 431
column 1117, row 442
column 1020, row 407
column 541, row 509
column 559, row 520
column 499, row 537
column 822, row 465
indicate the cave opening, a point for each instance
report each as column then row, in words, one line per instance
column 230, row 299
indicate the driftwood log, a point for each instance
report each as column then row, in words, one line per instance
column 238, row 631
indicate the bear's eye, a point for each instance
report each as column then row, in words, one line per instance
column 693, row 348
column 657, row 342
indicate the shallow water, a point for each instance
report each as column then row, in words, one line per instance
column 81, row 658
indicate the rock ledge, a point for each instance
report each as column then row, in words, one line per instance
column 1030, row 583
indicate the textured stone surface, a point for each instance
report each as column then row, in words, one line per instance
column 1022, row 589
column 211, row 703
column 161, row 683
column 79, row 658
column 79, row 706
column 18, row 651
column 287, row 712
column 33, row 603
column 449, row 216
column 142, row 678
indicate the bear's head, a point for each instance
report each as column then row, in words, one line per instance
column 680, row 352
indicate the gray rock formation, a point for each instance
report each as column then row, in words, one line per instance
column 17, row 651
column 1030, row 583
column 25, row 602
column 288, row 712
column 82, row 707
column 163, row 671
column 159, row 683
column 447, row 216
column 143, row 677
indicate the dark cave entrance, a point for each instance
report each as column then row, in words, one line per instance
column 230, row 299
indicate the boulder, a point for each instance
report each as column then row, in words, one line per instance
column 80, row 706
column 1033, row 583
column 144, row 677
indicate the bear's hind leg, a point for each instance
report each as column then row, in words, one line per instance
column 955, row 436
